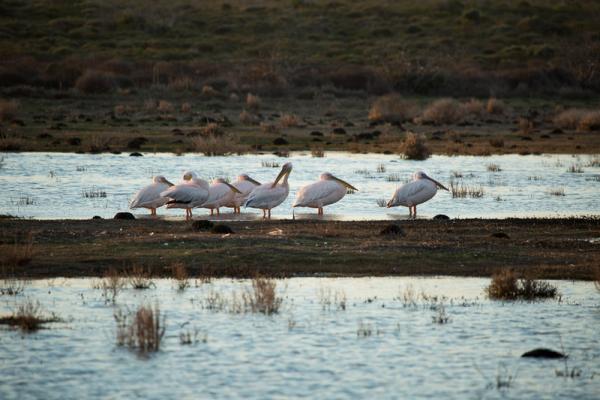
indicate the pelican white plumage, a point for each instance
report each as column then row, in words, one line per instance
column 245, row 185
column 149, row 196
column 220, row 193
column 190, row 193
column 419, row 190
column 270, row 195
column 328, row 190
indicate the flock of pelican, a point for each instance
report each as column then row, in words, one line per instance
column 193, row 192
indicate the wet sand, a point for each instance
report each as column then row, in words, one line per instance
column 541, row 248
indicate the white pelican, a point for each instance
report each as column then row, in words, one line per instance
column 270, row 195
column 191, row 193
column 149, row 196
column 326, row 191
column 421, row 189
column 220, row 193
column 245, row 185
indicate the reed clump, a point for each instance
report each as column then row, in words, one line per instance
column 112, row 283
column 28, row 317
column 262, row 296
column 180, row 275
column 140, row 277
column 443, row 111
column 217, row 145
column 142, row 330
column 414, row 148
column 506, row 285
column 392, row 108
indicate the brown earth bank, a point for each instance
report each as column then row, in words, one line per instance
column 534, row 248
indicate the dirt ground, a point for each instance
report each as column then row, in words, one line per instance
column 540, row 248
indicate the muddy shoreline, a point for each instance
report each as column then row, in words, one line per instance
column 542, row 248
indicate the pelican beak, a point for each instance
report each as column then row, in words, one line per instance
column 437, row 183
column 284, row 171
column 346, row 184
column 257, row 183
column 233, row 188
column 390, row 203
column 166, row 181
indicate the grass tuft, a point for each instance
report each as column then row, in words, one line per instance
column 141, row 331
column 505, row 285
column 414, row 148
column 392, row 108
column 180, row 275
column 262, row 297
column 443, row 111
column 28, row 317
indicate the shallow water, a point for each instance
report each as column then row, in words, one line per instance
column 307, row 351
column 52, row 185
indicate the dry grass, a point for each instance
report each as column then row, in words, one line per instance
column 493, row 167
column 180, row 275
column 181, row 83
column 141, row 331
column 8, row 110
column 495, row 106
column 590, row 121
column 93, row 81
column 28, row 317
column 461, row 190
column 212, row 129
column 253, row 102
column 208, row 91
column 575, row 169
column 317, row 153
column 99, row 143
column 93, row 193
column 381, row 202
column 10, row 142
column 270, row 164
column 186, row 108
column 112, row 283
column 392, row 108
column 12, row 286
column 505, row 285
column 380, row 168
column 262, row 297
column 165, row 107
column 217, row 145
column 441, row 316
column 443, row 111
column 414, row 148
column 569, row 119
column 557, row 191
column 19, row 254
column 473, row 108
column 525, row 126
column 268, row 128
column 329, row 299
column 140, row 277
column 497, row 142
column 248, row 118
column 289, row 121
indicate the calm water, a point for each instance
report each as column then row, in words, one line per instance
column 307, row 351
column 51, row 185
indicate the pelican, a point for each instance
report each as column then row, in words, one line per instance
column 220, row 193
column 270, row 195
column 245, row 185
column 421, row 189
column 326, row 191
column 149, row 196
column 188, row 194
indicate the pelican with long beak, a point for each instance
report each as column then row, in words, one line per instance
column 419, row 190
column 220, row 193
column 149, row 196
column 245, row 185
column 190, row 193
column 270, row 195
column 328, row 190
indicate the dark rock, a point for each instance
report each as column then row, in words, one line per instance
column 392, row 229
column 543, row 353
column 500, row 235
column 441, row 217
column 365, row 136
column 74, row 141
column 316, row 133
column 339, row 131
column 176, row 132
column 202, row 225
column 280, row 141
column 123, row 215
column 97, row 217
column 222, row 228
column 136, row 143
column 45, row 135
column 557, row 131
column 135, row 154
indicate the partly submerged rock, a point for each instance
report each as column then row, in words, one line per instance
column 441, row 217
column 136, row 154
column 392, row 229
column 500, row 235
column 543, row 353
column 123, row 215
column 96, row 217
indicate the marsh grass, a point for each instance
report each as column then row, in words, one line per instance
column 317, row 153
column 8, row 109
column 575, row 169
column 28, row 317
column 557, row 191
column 262, row 296
column 253, row 102
column 408, row 296
column 189, row 337
column 270, row 164
column 289, row 121
column 459, row 189
column 441, row 316
column 217, row 145
column 506, row 285
column 364, row 330
column 140, row 278
column 93, row 193
column 141, row 331
column 381, row 202
column 493, row 167
column 395, row 177
column 381, row 168
column 330, row 299
column 23, row 201
column 495, row 106
column 112, row 283
column 443, row 111
column 180, row 275
column 392, row 108
column 21, row 253
column 12, row 286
